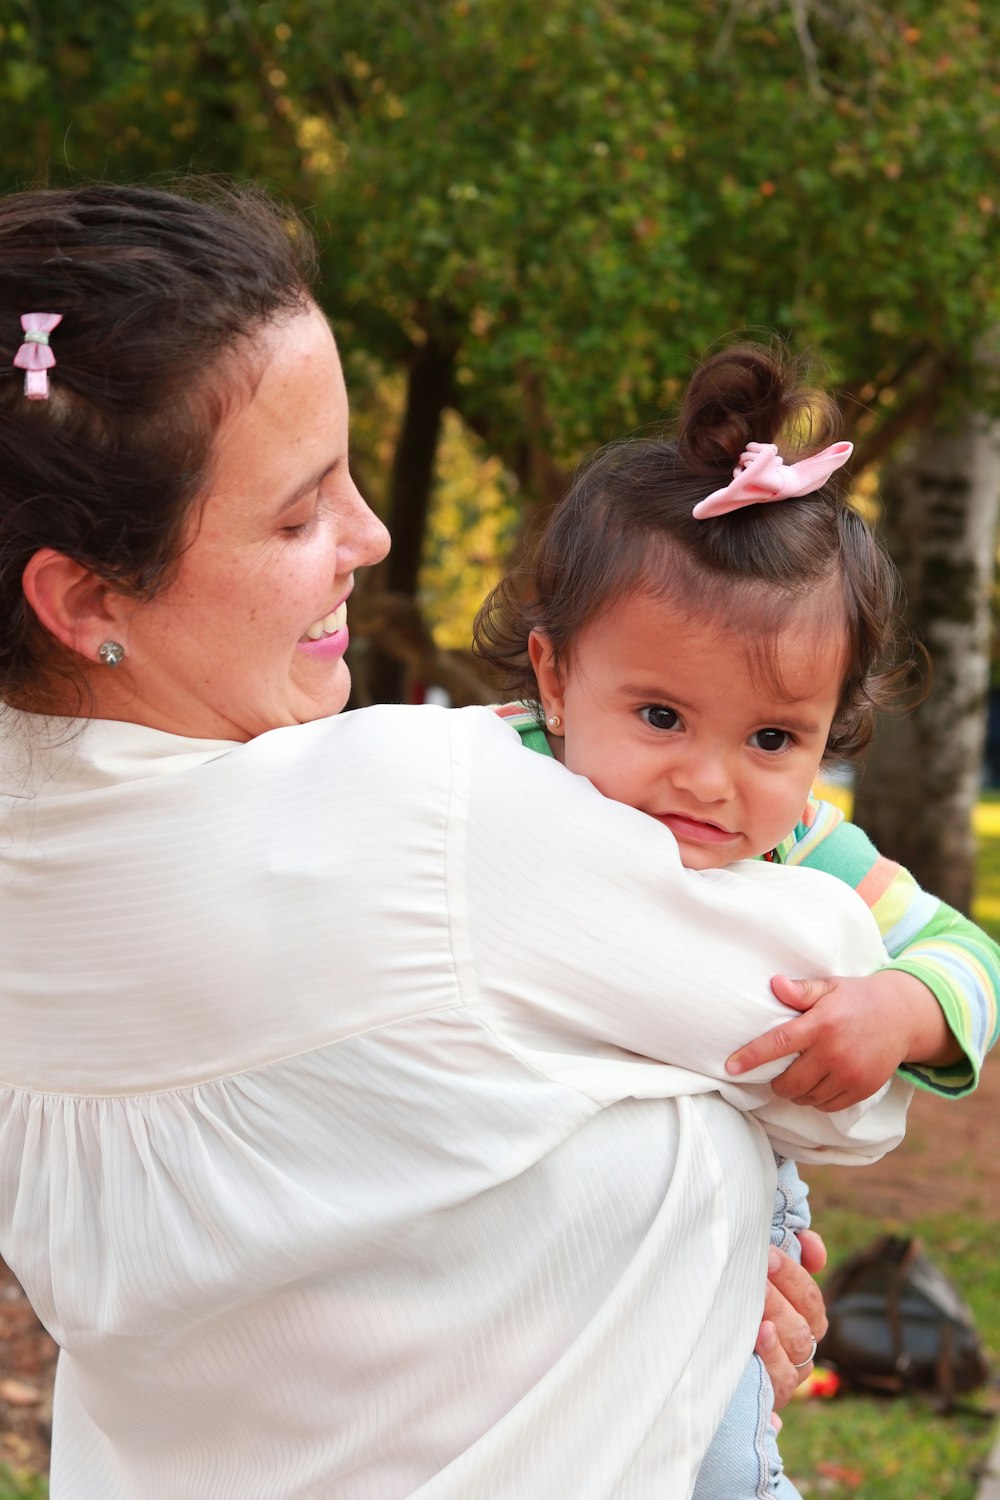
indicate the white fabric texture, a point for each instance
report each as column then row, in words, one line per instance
column 364, row 1131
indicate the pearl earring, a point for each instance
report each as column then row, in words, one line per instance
column 553, row 721
column 110, row 653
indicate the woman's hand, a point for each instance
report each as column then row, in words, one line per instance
column 794, row 1316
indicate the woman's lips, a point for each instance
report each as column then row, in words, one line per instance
column 327, row 638
column 693, row 830
column 328, row 647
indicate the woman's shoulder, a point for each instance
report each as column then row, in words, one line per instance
column 419, row 737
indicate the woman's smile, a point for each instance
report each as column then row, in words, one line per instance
column 327, row 638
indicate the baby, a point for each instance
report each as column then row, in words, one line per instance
column 698, row 652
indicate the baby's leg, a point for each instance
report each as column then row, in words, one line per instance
column 791, row 1208
column 743, row 1462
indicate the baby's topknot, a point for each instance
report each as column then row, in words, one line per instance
column 752, row 393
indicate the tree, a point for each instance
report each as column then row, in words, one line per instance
column 942, row 497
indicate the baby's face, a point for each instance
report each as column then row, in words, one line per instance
column 666, row 714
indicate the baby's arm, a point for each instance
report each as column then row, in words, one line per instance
column 933, row 1011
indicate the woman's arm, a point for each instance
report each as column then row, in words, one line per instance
column 605, row 964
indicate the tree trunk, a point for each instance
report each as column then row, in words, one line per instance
column 428, row 389
column 924, row 774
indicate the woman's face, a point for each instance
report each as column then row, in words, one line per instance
column 251, row 632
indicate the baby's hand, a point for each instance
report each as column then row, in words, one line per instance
column 851, row 1037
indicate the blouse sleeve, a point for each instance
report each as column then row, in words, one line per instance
column 592, row 953
column 953, row 957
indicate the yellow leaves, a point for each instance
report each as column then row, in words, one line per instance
column 322, row 149
column 481, row 320
column 473, row 518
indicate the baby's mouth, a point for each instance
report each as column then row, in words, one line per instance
column 334, row 621
column 683, row 826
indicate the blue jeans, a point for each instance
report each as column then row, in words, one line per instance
column 743, row 1462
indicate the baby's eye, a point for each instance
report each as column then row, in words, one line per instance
column 771, row 739
column 658, row 716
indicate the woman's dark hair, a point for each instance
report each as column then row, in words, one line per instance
column 626, row 526
column 156, row 290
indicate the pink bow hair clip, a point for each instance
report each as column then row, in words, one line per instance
column 34, row 356
column 762, row 475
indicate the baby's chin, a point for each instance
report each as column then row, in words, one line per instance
column 700, row 857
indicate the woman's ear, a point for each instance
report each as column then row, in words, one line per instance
column 71, row 602
column 549, row 679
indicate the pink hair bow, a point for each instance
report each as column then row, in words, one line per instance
column 762, row 475
column 34, row 356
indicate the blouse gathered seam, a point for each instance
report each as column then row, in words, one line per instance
column 96, row 1096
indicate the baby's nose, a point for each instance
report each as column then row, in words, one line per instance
column 707, row 776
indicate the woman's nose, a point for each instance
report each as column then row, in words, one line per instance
column 366, row 540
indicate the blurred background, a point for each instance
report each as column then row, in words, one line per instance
column 534, row 219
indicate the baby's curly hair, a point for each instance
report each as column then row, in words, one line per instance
column 625, row 526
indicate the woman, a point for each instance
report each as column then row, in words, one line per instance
column 365, row 1127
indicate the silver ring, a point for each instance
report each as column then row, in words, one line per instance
column 808, row 1359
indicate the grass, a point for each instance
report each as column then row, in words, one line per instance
column 857, row 1447
column 21, row 1486
column 863, row 1448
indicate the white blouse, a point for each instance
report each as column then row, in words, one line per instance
column 364, row 1131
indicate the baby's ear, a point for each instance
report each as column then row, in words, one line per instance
column 548, row 676
column 71, row 602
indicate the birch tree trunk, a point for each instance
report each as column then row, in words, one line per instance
column 923, row 776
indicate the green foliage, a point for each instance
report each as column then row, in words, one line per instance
column 577, row 198
column 581, row 200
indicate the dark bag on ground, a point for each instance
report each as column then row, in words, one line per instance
column 898, row 1324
